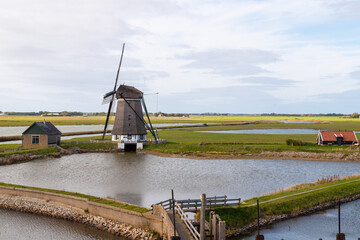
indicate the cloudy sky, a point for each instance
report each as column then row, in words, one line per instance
column 236, row 56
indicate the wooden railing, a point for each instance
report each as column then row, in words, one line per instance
column 188, row 223
column 195, row 204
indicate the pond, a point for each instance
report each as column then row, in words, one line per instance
column 145, row 179
column 269, row 131
column 27, row 226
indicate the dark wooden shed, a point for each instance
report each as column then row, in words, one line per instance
column 41, row 134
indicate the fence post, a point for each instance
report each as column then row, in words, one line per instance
column 211, row 224
column 222, row 230
column 258, row 236
column 225, row 201
column 202, row 217
column 214, row 226
column 339, row 236
column 239, row 201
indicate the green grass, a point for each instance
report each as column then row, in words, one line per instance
column 89, row 197
column 239, row 216
column 186, row 141
column 105, row 146
column 4, row 147
column 36, row 151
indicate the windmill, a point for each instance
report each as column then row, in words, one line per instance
column 130, row 127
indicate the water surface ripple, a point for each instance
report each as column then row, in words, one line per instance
column 145, row 179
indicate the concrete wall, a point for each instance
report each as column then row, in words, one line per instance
column 142, row 220
column 27, row 141
column 168, row 226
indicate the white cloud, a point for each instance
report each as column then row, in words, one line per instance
column 74, row 47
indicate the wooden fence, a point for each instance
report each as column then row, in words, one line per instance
column 193, row 205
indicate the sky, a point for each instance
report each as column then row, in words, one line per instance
column 224, row 56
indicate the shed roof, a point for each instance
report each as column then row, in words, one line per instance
column 43, row 127
column 348, row 136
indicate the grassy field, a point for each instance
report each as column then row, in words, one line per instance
column 89, row 197
column 81, row 120
column 191, row 141
column 188, row 142
column 286, row 202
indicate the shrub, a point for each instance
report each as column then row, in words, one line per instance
column 293, row 142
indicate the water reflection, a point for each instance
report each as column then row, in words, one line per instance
column 146, row 179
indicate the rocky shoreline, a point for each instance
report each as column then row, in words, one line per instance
column 58, row 210
column 269, row 220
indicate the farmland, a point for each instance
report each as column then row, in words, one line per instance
column 193, row 142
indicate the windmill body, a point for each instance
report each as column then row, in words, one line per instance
column 129, row 128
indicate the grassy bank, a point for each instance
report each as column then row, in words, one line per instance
column 40, row 152
column 89, row 197
column 191, row 143
column 292, row 201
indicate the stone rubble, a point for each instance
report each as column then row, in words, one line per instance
column 58, row 210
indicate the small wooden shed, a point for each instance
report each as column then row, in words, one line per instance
column 41, row 135
column 337, row 137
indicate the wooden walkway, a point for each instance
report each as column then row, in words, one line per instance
column 180, row 227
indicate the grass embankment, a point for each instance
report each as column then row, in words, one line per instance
column 292, row 201
column 88, row 146
column 188, row 142
column 8, row 151
column 89, row 197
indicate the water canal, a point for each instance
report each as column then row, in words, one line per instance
column 323, row 225
column 27, row 226
column 145, row 179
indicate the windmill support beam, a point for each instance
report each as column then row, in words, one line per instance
column 150, row 128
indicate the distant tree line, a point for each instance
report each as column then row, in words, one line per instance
column 98, row 114
column 161, row 114
column 44, row 113
column 355, row 115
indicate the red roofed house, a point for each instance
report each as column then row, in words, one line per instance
column 336, row 137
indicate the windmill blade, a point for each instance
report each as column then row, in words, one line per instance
column 118, row 71
column 151, row 129
column 112, row 94
column 108, row 97
column 107, row 119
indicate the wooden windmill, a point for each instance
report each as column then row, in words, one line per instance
column 130, row 127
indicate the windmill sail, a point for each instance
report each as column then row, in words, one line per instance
column 110, row 94
column 108, row 97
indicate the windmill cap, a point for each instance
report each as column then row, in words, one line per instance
column 125, row 91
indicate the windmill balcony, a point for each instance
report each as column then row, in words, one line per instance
column 129, row 138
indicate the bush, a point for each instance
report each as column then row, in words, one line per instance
column 293, row 142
